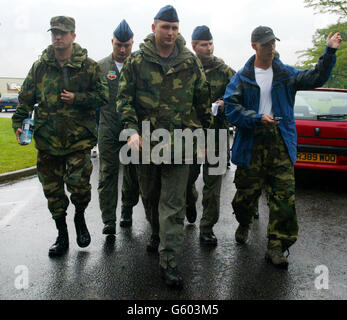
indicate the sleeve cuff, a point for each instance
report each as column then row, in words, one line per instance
column 16, row 125
column 131, row 126
column 331, row 50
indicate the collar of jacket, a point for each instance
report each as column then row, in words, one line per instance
column 149, row 50
column 112, row 64
column 213, row 64
column 279, row 71
column 79, row 55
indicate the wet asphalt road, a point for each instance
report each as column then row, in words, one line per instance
column 120, row 268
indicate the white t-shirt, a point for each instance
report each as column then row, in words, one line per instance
column 119, row 65
column 264, row 79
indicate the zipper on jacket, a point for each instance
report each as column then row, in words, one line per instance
column 65, row 77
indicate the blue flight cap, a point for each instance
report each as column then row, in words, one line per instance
column 123, row 32
column 201, row 33
column 167, row 13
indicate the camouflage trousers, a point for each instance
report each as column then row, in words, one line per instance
column 210, row 195
column 74, row 170
column 271, row 168
column 163, row 192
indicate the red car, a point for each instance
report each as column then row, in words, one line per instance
column 321, row 123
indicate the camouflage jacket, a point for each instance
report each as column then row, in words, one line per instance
column 218, row 75
column 168, row 100
column 61, row 128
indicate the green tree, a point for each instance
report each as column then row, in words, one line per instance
column 338, row 7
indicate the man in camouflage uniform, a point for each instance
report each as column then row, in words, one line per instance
column 109, row 128
column 264, row 148
column 66, row 85
column 218, row 75
column 163, row 84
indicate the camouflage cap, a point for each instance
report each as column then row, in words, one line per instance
column 63, row 23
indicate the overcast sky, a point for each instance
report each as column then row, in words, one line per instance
column 24, row 25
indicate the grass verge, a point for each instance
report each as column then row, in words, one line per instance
column 12, row 155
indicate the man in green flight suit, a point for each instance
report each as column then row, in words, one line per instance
column 65, row 85
column 162, row 86
column 109, row 128
column 218, row 75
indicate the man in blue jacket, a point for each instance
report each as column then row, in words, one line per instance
column 259, row 101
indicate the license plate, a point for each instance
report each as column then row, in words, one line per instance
column 317, row 157
column 8, row 107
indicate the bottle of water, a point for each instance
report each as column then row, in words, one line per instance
column 28, row 128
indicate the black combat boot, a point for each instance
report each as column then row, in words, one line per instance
column 109, row 228
column 241, row 234
column 274, row 254
column 153, row 243
column 172, row 277
column 126, row 217
column 208, row 238
column 61, row 245
column 83, row 236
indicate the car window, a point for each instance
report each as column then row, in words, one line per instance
column 310, row 104
column 9, row 97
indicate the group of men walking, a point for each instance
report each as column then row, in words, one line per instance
column 165, row 86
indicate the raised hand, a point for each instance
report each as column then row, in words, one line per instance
column 334, row 41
